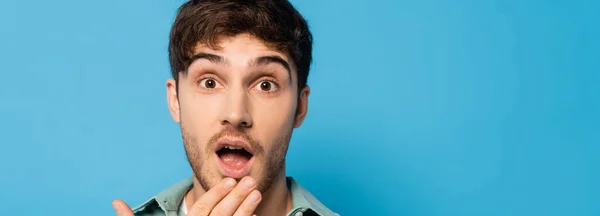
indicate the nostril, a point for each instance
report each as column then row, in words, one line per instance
column 235, row 119
column 225, row 122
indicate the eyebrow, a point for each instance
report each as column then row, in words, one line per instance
column 265, row 60
column 210, row 57
column 260, row 61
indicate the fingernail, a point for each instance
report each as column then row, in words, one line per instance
column 249, row 182
column 254, row 196
column 229, row 183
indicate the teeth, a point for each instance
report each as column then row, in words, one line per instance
column 233, row 147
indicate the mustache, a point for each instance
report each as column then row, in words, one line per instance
column 229, row 131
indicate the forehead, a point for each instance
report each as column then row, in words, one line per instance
column 242, row 47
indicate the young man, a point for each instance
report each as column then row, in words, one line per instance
column 238, row 90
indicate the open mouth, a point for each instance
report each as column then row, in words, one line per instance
column 234, row 159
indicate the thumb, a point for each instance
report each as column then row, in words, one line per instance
column 121, row 208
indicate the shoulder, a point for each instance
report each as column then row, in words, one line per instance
column 148, row 208
column 166, row 201
column 317, row 206
column 302, row 199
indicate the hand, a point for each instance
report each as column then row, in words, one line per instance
column 121, row 208
column 225, row 198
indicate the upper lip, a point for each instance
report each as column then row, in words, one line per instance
column 233, row 141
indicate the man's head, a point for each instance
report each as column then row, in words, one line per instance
column 239, row 85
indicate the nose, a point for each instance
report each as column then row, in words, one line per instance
column 235, row 112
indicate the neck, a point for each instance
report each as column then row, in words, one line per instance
column 277, row 201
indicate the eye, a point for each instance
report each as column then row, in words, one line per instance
column 266, row 86
column 209, row 83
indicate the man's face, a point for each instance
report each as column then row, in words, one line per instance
column 237, row 106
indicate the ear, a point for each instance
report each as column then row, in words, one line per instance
column 302, row 108
column 173, row 100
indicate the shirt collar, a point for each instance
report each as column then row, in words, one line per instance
column 169, row 199
column 302, row 200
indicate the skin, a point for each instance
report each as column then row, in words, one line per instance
column 241, row 93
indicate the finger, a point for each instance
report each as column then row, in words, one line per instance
column 249, row 205
column 232, row 201
column 121, row 208
column 205, row 204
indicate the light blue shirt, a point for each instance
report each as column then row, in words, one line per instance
column 167, row 202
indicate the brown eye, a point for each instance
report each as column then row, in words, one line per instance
column 267, row 86
column 209, row 83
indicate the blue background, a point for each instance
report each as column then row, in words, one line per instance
column 418, row 107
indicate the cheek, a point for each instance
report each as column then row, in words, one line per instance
column 272, row 120
column 199, row 115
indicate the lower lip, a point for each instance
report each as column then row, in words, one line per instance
column 229, row 171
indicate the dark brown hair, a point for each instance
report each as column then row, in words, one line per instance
column 276, row 22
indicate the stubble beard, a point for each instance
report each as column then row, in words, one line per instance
column 274, row 160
